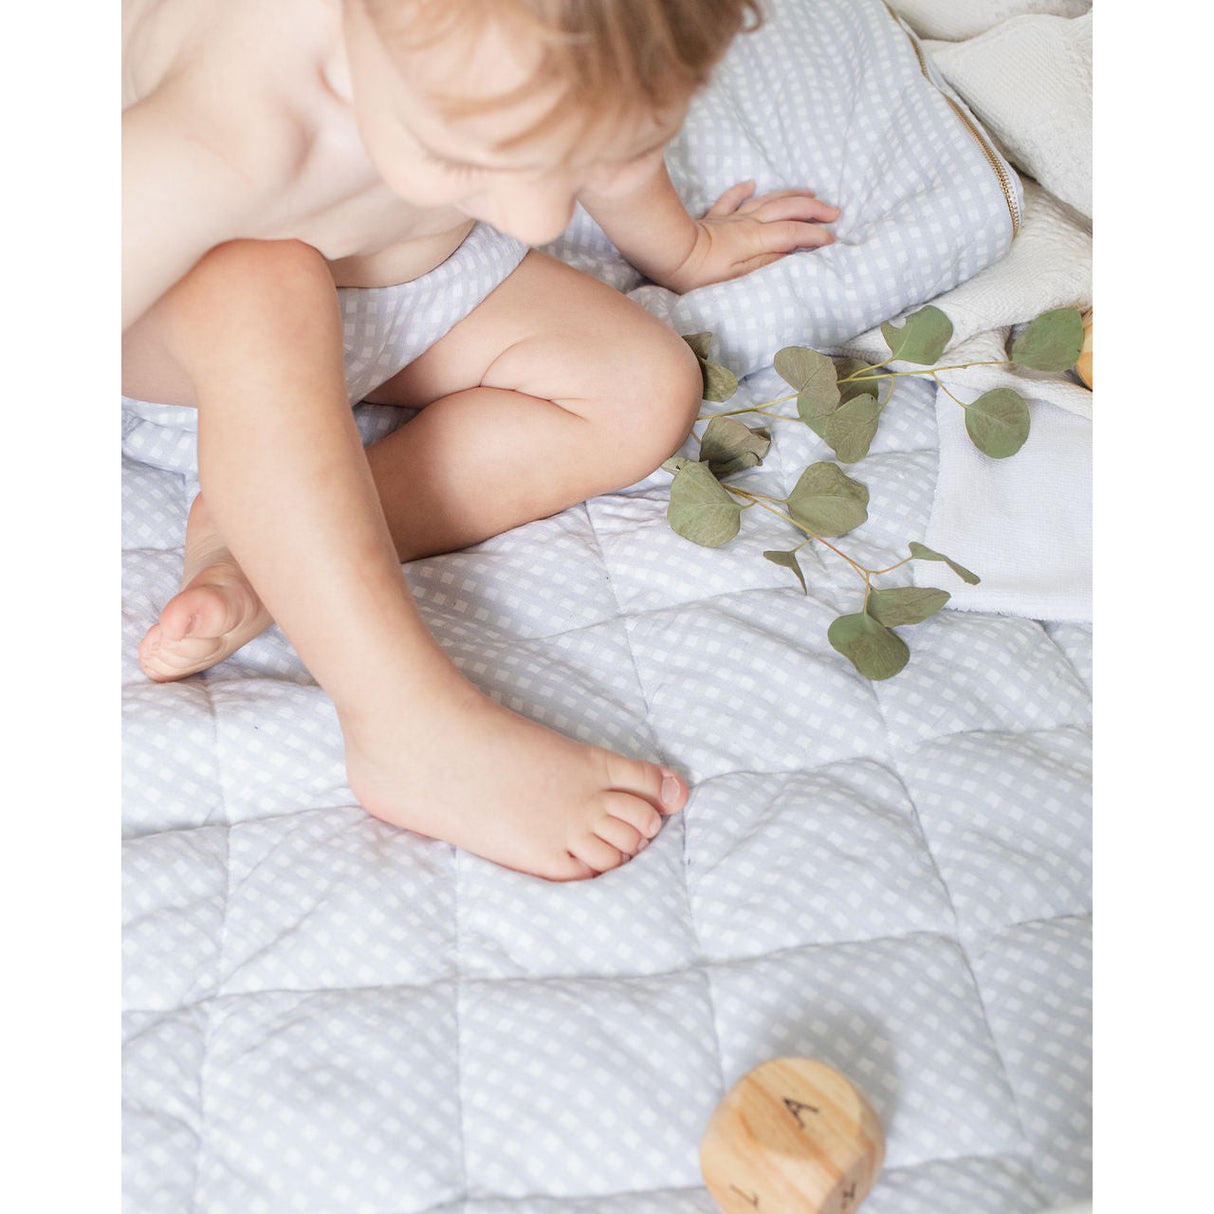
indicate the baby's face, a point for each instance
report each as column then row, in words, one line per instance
column 526, row 190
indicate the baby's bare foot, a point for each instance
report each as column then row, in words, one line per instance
column 512, row 791
column 214, row 614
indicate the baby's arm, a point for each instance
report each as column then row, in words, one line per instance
column 652, row 228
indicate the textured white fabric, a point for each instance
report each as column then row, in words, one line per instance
column 1025, row 523
column 1030, row 81
column 954, row 22
column 1027, row 520
column 323, row 1014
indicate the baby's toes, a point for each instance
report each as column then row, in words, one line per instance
column 664, row 790
column 597, row 854
column 637, row 813
column 164, row 659
column 620, row 835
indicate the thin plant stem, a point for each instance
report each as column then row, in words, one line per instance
column 760, row 500
column 759, row 408
column 996, row 362
column 947, row 393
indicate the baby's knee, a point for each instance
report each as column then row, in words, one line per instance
column 673, row 391
column 277, row 293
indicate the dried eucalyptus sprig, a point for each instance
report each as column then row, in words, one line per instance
column 840, row 400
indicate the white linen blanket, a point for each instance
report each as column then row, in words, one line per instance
column 328, row 1016
column 1025, row 521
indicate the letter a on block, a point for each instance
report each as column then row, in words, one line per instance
column 792, row 1134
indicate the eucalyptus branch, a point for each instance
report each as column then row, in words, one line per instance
column 839, row 400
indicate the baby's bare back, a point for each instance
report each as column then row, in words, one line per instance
column 237, row 124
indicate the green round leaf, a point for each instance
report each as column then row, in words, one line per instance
column 701, row 510
column 827, row 501
column 815, row 379
column 800, row 366
column 851, row 428
column 864, row 381
column 720, row 383
column 998, row 422
column 730, row 446
column 871, row 648
column 1052, row 342
column 905, row 604
column 699, row 342
column 921, row 339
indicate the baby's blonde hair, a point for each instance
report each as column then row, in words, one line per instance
column 602, row 56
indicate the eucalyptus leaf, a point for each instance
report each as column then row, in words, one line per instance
column 720, row 383
column 998, row 422
column 730, row 446
column 864, row 383
column 700, row 509
column 799, row 366
column 827, row 501
column 1052, row 342
column 815, row 379
column 921, row 552
column 905, row 604
column 871, row 648
column 922, row 339
column 788, row 560
column 815, row 406
column 851, row 428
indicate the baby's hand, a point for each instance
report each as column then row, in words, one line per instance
column 740, row 233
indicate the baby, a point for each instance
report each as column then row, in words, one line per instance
column 278, row 151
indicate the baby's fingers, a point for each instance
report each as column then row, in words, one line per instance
column 731, row 200
column 783, row 236
column 790, row 204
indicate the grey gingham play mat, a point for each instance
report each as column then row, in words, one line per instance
column 328, row 1015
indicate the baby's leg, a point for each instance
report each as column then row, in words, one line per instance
column 256, row 329
column 555, row 389
column 489, row 451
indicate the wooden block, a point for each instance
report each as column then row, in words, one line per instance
column 792, row 1136
column 1083, row 368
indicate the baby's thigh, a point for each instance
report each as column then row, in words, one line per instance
column 552, row 332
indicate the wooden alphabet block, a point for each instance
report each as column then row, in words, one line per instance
column 792, row 1136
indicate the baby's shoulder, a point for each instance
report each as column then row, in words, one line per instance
column 224, row 79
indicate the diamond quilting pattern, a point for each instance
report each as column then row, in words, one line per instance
column 830, row 855
column 901, row 1017
column 629, row 922
column 174, row 895
column 279, row 1134
column 327, row 1015
column 990, row 1185
column 982, row 672
column 1036, row 982
column 163, row 1056
column 330, row 900
column 584, row 1087
column 750, row 658
column 1008, row 819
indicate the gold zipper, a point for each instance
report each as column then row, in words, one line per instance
column 992, row 157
